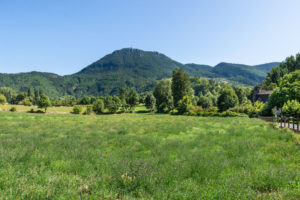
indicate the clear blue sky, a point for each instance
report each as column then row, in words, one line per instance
column 63, row 36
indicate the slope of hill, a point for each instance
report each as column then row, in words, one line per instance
column 201, row 70
column 128, row 67
column 133, row 61
column 49, row 82
column 243, row 74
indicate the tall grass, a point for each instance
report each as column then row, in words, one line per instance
column 145, row 156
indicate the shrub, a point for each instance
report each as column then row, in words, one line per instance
column 291, row 109
column 25, row 102
column 88, row 110
column 259, row 108
column 8, row 93
column 174, row 112
column 196, row 109
column 113, row 104
column 191, row 113
column 184, row 105
column 129, row 99
column 98, row 106
column 163, row 96
column 227, row 99
column 44, row 102
column 208, row 114
column 266, row 111
column 77, row 110
column 245, row 108
column 150, row 102
column 13, row 109
column 2, row 99
column 231, row 114
column 256, row 109
column 212, row 109
column 205, row 101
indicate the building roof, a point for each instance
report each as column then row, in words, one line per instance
column 263, row 92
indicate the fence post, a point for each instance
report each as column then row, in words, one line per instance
column 293, row 123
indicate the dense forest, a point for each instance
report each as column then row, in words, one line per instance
column 179, row 94
column 129, row 68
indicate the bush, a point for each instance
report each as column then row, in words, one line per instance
column 163, row 96
column 243, row 108
column 150, row 102
column 25, row 102
column 98, row 106
column 44, row 102
column 13, row 109
column 212, row 109
column 129, row 99
column 174, row 112
column 227, row 99
column 113, row 104
column 184, row 105
column 266, row 111
column 291, row 109
column 256, row 109
column 196, row 109
column 231, row 114
column 191, row 113
column 205, row 101
column 77, row 110
column 2, row 99
column 88, row 110
column 210, row 112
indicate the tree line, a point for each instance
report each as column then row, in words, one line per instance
column 284, row 80
column 178, row 95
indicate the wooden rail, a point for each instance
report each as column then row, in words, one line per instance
column 289, row 122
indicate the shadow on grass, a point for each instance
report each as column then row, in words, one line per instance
column 36, row 111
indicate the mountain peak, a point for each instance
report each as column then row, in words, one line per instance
column 129, row 67
column 129, row 58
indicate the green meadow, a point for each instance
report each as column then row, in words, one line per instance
column 51, row 110
column 145, row 156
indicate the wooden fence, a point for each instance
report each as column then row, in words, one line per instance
column 289, row 122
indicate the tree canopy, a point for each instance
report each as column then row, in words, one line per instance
column 181, row 85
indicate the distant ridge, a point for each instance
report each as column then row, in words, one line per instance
column 129, row 68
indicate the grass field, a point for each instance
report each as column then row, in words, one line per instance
column 145, row 156
column 55, row 110
column 51, row 110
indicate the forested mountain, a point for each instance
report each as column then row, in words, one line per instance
column 50, row 83
column 128, row 68
column 243, row 74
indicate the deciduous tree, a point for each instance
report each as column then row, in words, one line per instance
column 44, row 102
column 163, row 96
column 227, row 99
column 180, row 85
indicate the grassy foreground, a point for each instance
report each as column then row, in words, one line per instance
column 145, row 156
